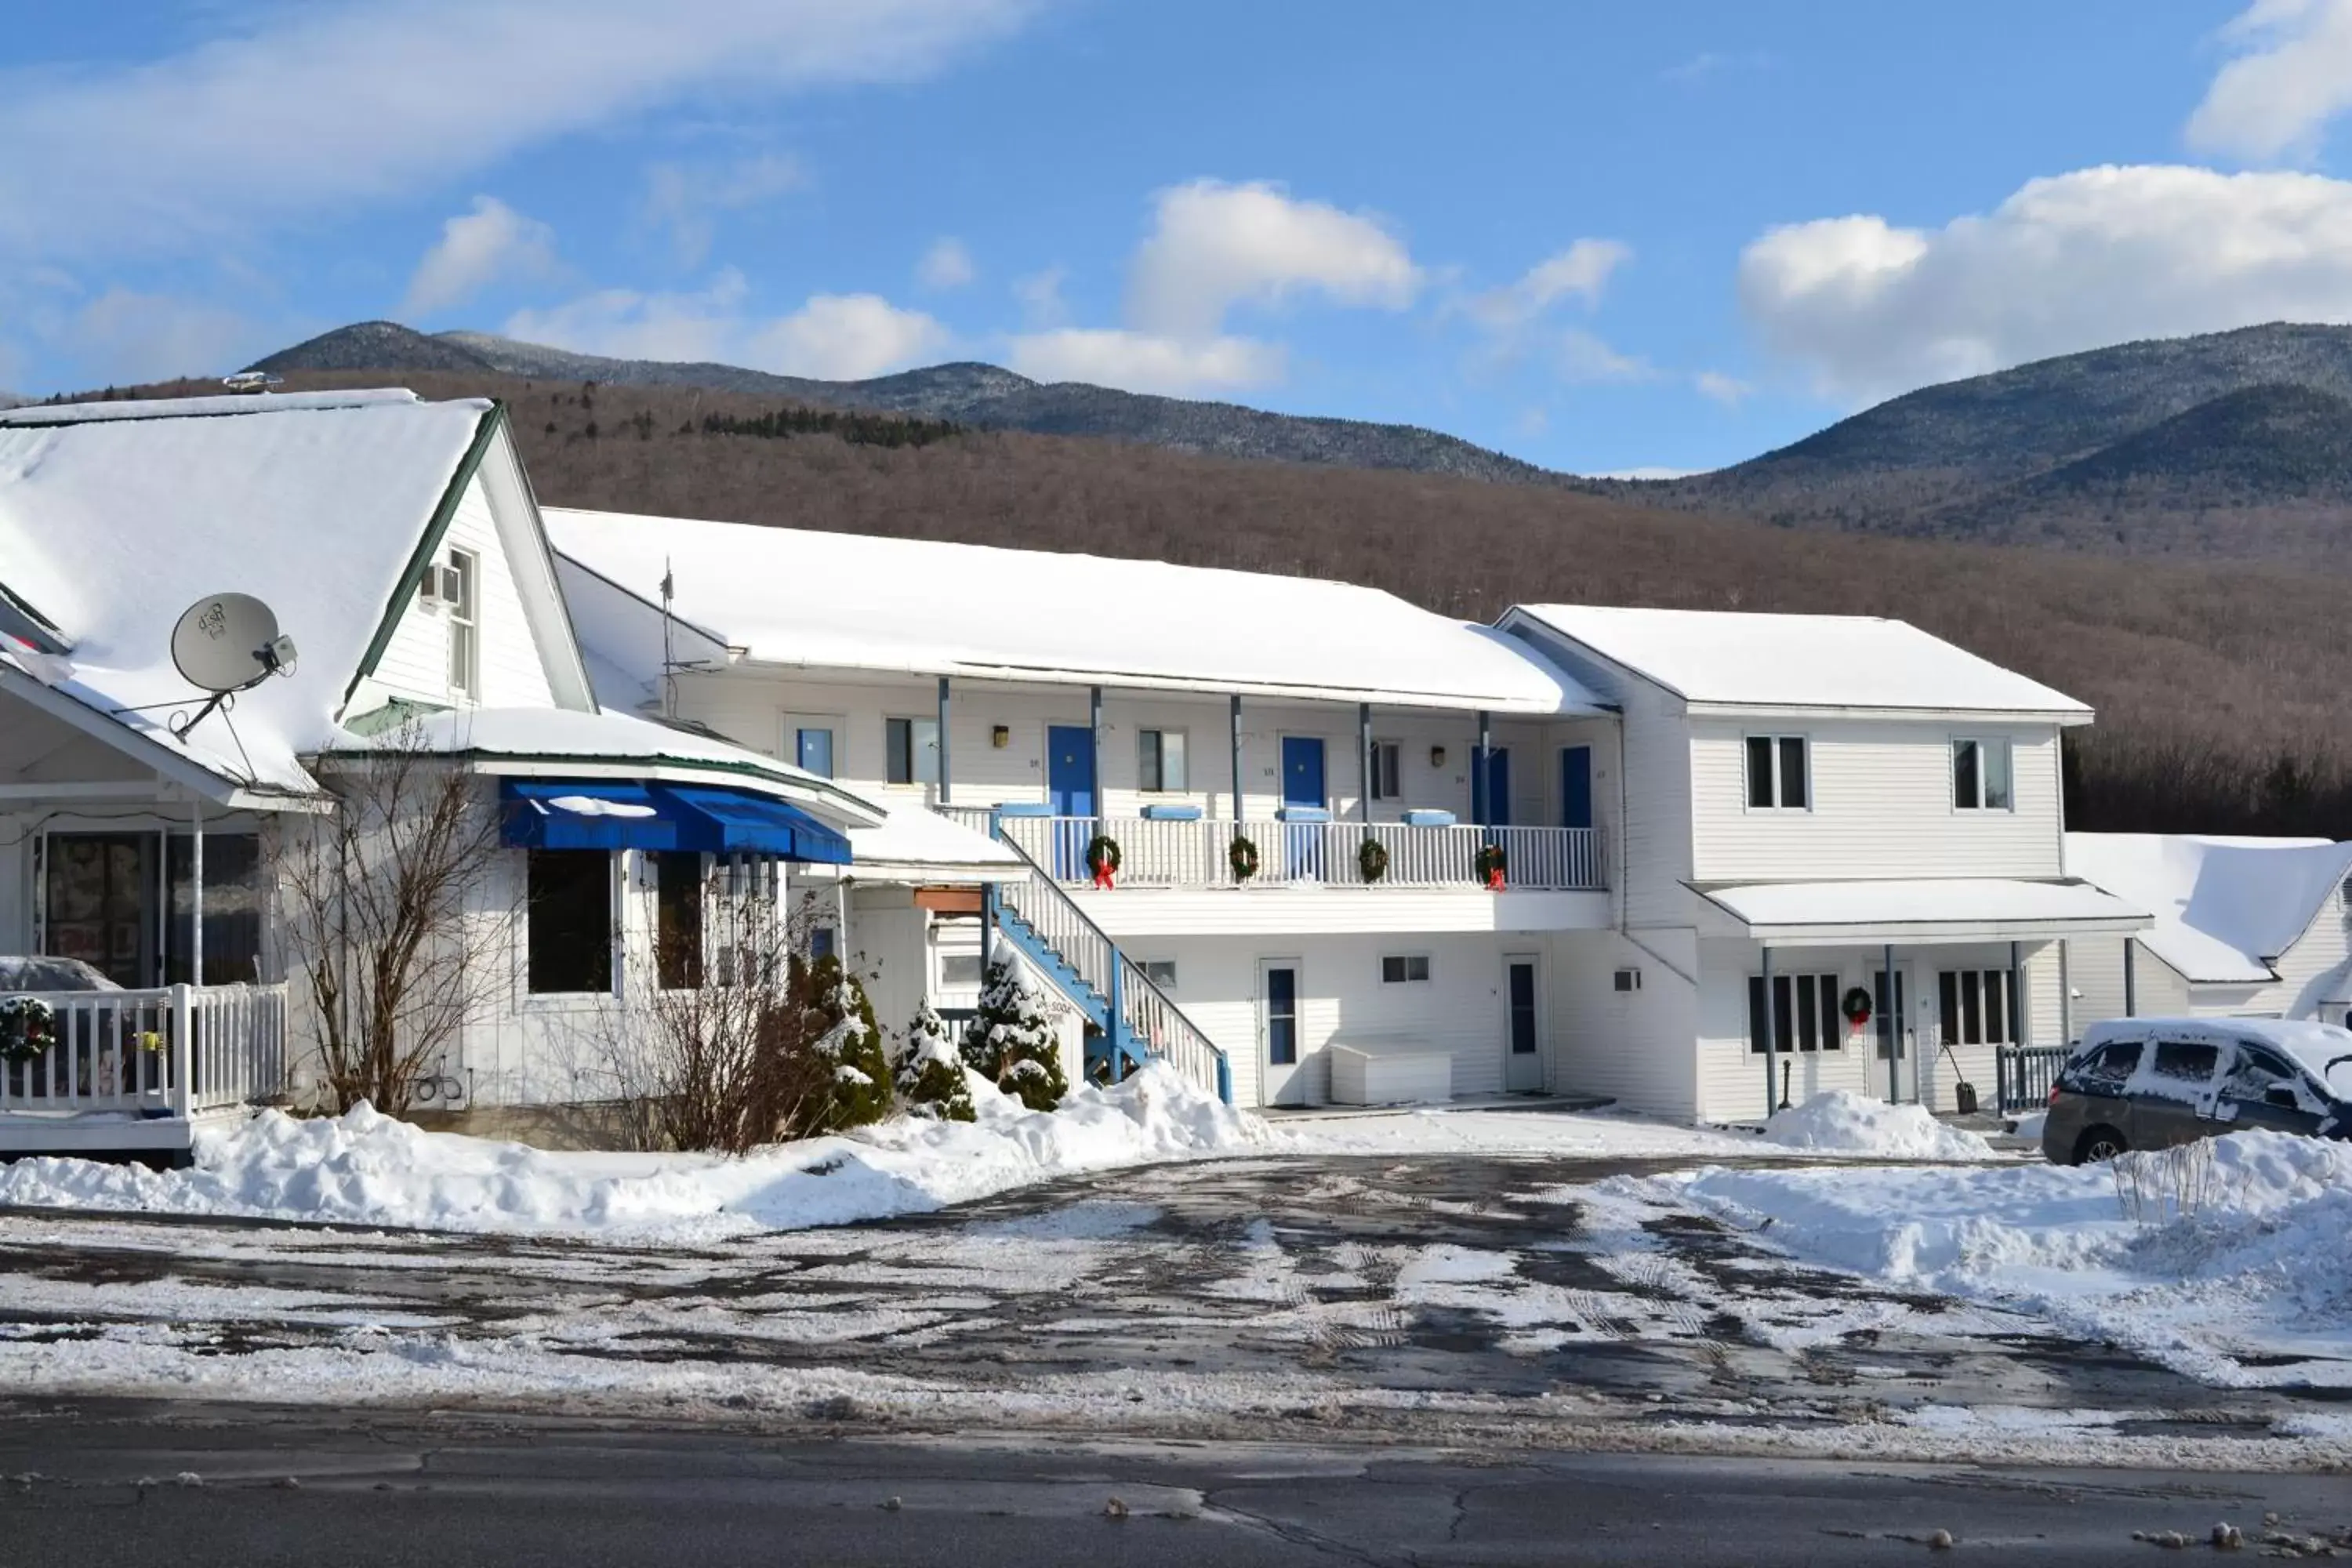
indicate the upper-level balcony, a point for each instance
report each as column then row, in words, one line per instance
column 1203, row 853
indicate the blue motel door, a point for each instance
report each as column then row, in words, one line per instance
column 1070, row 782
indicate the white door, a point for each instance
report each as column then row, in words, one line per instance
column 1523, row 1067
column 1896, row 1031
column 1281, row 1079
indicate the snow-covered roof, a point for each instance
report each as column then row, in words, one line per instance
column 1735, row 658
column 557, row 741
column 2225, row 908
column 791, row 596
column 1950, row 908
column 114, row 517
column 918, row 844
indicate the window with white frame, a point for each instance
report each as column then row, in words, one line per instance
column 1388, row 769
column 465, row 622
column 1161, row 761
column 1974, row 1006
column 959, row 969
column 911, row 750
column 1404, row 969
column 1804, row 1012
column 1780, row 774
column 1161, row 972
column 1980, row 776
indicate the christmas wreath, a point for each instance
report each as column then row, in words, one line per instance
column 1243, row 859
column 1857, row 1006
column 1491, row 864
column 27, row 1029
column 1102, row 858
column 1372, row 859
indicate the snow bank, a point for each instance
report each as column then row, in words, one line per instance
column 2252, row 1269
column 364, row 1168
column 1842, row 1121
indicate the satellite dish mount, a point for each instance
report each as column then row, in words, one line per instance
column 226, row 644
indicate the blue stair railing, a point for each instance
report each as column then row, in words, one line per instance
column 1134, row 1020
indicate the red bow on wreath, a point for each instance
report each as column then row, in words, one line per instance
column 1102, row 874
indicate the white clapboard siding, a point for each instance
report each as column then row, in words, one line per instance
column 1633, row 1046
column 1882, row 806
column 415, row 661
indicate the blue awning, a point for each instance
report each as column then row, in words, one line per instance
column 602, row 814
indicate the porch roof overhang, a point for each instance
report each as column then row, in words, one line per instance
column 1911, row 911
column 602, row 814
column 178, row 772
column 922, row 849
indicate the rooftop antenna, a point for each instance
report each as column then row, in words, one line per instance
column 669, row 656
column 226, row 644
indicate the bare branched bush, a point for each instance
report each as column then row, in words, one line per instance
column 386, row 916
column 2156, row 1186
column 741, row 1043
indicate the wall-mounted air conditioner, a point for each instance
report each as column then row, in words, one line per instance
column 1629, row 980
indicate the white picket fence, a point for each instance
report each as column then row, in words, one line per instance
column 1158, row 853
column 177, row 1050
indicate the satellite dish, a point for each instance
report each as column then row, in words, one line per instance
column 228, row 642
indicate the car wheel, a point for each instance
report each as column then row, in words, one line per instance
column 2097, row 1144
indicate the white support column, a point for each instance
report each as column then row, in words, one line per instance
column 1771, row 1037
column 195, row 895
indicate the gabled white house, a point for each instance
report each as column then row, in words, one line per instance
column 1817, row 809
column 2244, row 928
column 400, row 545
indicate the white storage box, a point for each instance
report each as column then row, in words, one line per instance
column 1390, row 1077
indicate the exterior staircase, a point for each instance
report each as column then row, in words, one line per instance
column 1133, row 1021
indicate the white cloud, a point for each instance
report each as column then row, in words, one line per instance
column 477, row 249
column 1040, row 294
column 2293, row 74
column 313, row 107
column 686, row 199
column 1144, row 362
column 946, row 265
column 1579, row 272
column 1727, row 390
column 848, row 337
column 1214, row 245
column 1583, row 357
column 2075, row 261
column 835, row 337
column 125, row 336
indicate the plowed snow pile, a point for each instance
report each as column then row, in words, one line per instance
column 363, row 1168
column 1844, row 1122
column 2225, row 1259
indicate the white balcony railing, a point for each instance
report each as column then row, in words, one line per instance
column 1156, row 853
column 175, row 1051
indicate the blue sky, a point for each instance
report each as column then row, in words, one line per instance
column 1602, row 238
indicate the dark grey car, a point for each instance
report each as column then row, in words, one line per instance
column 2148, row 1083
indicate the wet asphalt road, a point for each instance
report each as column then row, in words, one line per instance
column 97, row 1485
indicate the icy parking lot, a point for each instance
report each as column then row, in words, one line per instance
column 1486, row 1299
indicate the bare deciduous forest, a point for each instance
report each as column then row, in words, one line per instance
column 2219, row 687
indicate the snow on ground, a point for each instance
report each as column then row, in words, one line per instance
column 2223, row 1260
column 1465, row 1130
column 368, row 1169
column 1843, row 1121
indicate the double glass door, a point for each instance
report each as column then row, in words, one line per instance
column 124, row 903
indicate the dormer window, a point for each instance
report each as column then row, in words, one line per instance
column 460, row 588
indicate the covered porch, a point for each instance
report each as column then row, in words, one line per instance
column 138, row 991
column 1935, row 992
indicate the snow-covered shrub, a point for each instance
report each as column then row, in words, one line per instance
column 929, row 1073
column 1012, row 1039
column 847, row 1046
